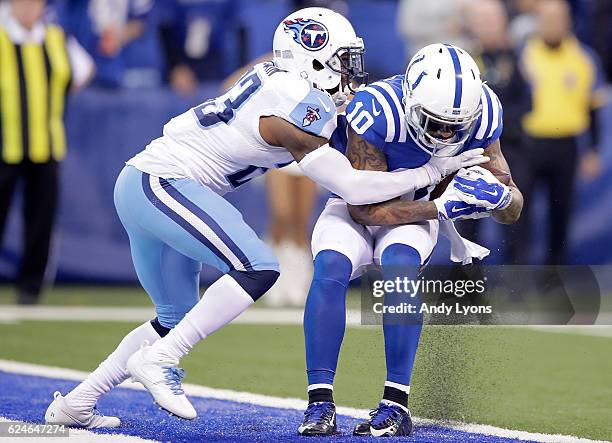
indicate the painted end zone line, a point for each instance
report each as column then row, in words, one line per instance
column 287, row 403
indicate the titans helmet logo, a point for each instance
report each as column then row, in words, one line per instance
column 309, row 33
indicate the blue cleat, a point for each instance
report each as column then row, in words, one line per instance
column 319, row 419
column 388, row 420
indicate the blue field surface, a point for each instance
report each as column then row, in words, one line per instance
column 25, row 398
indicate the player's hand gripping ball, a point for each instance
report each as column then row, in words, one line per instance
column 503, row 176
column 480, row 187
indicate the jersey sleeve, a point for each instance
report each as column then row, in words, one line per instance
column 339, row 138
column 366, row 117
column 490, row 125
column 303, row 105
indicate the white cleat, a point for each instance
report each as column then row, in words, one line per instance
column 163, row 381
column 59, row 413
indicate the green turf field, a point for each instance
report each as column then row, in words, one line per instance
column 514, row 378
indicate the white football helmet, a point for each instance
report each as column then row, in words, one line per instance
column 321, row 46
column 442, row 89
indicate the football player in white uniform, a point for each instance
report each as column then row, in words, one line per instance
column 169, row 199
column 439, row 107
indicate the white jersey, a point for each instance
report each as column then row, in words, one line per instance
column 218, row 143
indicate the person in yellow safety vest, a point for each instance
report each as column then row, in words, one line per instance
column 567, row 84
column 39, row 66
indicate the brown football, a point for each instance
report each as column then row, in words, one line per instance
column 502, row 176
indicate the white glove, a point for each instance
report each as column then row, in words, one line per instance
column 452, row 205
column 482, row 188
column 447, row 165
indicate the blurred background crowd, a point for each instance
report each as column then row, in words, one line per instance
column 137, row 63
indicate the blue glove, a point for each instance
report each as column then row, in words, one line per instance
column 480, row 187
column 451, row 205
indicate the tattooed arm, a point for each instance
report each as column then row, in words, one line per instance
column 394, row 212
column 365, row 156
column 511, row 213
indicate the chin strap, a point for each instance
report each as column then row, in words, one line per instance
column 341, row 97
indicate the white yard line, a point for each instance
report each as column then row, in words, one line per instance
column 258, row 316
column 75, row 435
column 271, row 316
column 287, row 403
column 75, row 313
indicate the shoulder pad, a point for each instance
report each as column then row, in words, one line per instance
column 305, row 106
column 288, row 86
column 375, row 114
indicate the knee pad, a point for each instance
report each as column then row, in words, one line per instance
column 255, row 283
column 332, row 265
column 399, row 254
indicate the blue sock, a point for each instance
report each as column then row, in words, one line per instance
column 325, row 319
column 401, row 335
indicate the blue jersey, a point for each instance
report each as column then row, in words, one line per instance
column 377, row 115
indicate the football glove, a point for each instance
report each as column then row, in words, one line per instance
column 452, row 205
column 482, row 188
column 447, row 165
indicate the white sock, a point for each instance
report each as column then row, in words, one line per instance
column 222, row 302
column 111, row 372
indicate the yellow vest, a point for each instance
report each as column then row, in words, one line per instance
column 34, row 81
column 562, row 82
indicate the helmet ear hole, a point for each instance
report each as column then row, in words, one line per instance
column 317, row 65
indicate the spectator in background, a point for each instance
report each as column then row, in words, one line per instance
column 567, row 83
column 523, row 23
column 601, row 33
column 105, row 28
column 292, row 198
column 38, row 64
column 499, row 67
column 425, row 22
column 195, row 35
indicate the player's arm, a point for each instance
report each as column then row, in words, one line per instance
column 497, row 163
column 333, row 170
column 279, row 132
column 365, row 156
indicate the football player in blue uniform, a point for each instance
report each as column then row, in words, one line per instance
column 439, row 108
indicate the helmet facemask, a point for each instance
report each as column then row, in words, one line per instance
column 348, row 63
column 442, row 135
